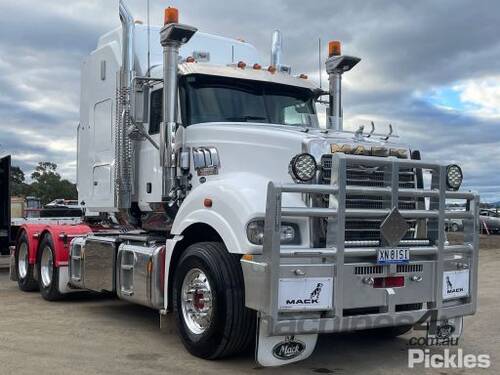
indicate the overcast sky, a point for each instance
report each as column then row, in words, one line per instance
column 431, row 68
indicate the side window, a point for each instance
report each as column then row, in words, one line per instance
column 298, row 114
column 156, row 112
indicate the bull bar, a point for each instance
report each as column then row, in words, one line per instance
column 262, row 273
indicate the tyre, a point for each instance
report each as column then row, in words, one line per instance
column 455, row 227
column 209, row 302
column 24, row 270
column 48, row 274
column 389, row 332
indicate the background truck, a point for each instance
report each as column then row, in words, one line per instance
column 210, row 191
column 4, row 205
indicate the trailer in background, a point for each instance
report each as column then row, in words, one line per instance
column 4, row 205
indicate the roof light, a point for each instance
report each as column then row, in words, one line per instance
column 303, row 76
column 334, row 48
column 271, row 69
column 257, row 66
column 190, row 59
column 242, row 65
column 171, row 15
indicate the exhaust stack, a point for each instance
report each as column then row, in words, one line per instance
column 276, row 49
column 172, row 36
column 123, row 159
column 336, row 65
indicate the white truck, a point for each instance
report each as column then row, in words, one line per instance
column 211, row 192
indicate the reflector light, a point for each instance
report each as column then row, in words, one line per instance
column 207, row 202
column 171, row 15
column 389, row 282
column 303, row 76
column 242, row 65
column 271, row 69
column 334, row 48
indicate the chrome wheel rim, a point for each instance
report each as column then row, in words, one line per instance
column 46, row 266
column 196, row 301
column 22, row 260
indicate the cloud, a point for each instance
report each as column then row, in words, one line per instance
column 427, row 67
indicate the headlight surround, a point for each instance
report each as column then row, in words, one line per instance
column 454, row 176
column 289, row 233
column 303, row 167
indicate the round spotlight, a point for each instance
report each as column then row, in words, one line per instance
column 454, row 176
column 303, row 167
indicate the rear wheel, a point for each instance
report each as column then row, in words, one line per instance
column 48, row 274
column 24, row 269
column 209, row 302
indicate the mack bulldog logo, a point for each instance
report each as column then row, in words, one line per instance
column 449, row 287
column 288, row 349
column 313, row 297
column 315, row 293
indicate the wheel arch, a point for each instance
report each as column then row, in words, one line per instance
column 32, row 232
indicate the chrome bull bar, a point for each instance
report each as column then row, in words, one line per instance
column 265, row 269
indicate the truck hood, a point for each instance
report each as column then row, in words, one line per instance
column 266, row 149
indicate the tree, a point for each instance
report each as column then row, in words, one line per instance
column 17, row 182
column 48, row 185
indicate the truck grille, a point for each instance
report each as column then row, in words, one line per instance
column 360, row 175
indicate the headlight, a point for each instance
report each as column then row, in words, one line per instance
column 289, row 233
column 454, row 176
column 303, row 167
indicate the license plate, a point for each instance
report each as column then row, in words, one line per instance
column 393, row 256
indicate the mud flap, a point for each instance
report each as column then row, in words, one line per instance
column 64, row 281
column 12, row 268
column 282, row 350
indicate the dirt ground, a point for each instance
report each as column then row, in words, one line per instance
column 89, row 334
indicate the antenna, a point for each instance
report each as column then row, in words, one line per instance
column 149, row 41
column 319, row 62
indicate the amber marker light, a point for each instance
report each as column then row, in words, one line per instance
column 171, row 15
column 334, row 48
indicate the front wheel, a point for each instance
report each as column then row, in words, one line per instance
column 209, row 302
column 48, row 274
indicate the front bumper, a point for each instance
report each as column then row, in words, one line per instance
column 352, row 303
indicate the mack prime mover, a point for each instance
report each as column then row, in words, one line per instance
column 211, row 192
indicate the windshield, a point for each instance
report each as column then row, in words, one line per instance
column 221, row 99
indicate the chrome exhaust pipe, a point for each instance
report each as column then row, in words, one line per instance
column 123, row 147
column 276, row 49
column 172, row 36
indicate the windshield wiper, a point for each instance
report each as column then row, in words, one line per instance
column 246, row 118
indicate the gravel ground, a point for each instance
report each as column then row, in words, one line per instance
column 89, row 334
